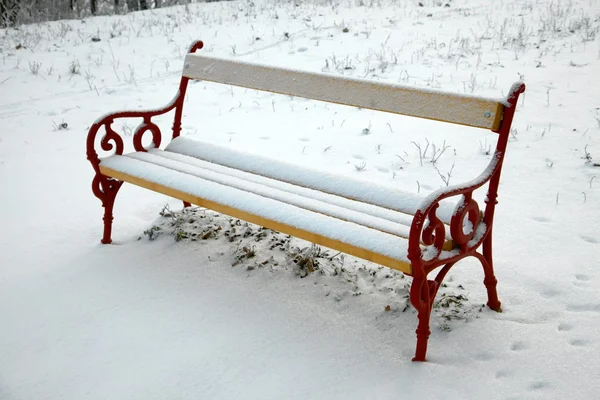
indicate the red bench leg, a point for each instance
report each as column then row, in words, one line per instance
column 108, row 219
column 489, row 279
column 106, row 190
column 422, row 297
column 426, row 292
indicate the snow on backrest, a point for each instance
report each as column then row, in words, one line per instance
column 423, row 103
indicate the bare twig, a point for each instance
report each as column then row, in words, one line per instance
column 445, row 178
column 422, row 153
column 437, row 153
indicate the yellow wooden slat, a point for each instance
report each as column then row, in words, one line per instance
column 423, row 103
column 258, row 220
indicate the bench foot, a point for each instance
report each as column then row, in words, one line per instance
column 489, row 279
column 493, row 302
column 108, row 219
column 423, row 332
column 106, row 190
column 422, row 297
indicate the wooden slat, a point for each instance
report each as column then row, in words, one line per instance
column 258, row 220
column 423, row 103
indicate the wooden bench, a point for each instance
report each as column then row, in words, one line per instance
column 410, row 233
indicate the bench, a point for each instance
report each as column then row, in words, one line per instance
column 415, row 234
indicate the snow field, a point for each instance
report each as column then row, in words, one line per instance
column 165, row 319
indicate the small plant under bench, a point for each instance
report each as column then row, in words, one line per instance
column 418, row 235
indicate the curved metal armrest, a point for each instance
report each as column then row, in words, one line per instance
column 429, row 230
column 113, row 141
column 109, row 118
column 432, row 234
column 468, row 187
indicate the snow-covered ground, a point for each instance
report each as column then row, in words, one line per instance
column 172, row 319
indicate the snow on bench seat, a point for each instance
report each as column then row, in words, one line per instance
column 345, row 187
column 364, row 230
column 277, row 190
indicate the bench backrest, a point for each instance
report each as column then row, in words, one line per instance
column 424, row 103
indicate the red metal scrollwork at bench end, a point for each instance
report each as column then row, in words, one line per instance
column 470, row 228
column 467, row 210
column 111, row 143
column 434, row 234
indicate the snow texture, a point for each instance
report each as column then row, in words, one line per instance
column 474, row 183
column 350, row 188
column 425, row 103
column 247, row 197
column 375, row 211
column 161, row 319
column 339, row 207
column 156, row 110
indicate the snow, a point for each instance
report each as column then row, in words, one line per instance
column 144, row 319
column 273, row 205
column 311, row 178
column 157, row 110
column 441, row 193
column 378, row 212
column 374, row 217
column 426, row 103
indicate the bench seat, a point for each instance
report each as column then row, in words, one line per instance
column 314, row 205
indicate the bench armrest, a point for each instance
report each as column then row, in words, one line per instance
column 429, row 230
column 111, row 141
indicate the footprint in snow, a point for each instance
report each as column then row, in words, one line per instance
column 518, row 346
column 563, row 327
column 503, row 373
column 58, row 112
column 541, row 219
column 581, row 280
column 589, row 239
column 578, row 342
column 485, row 356
column 584, row 307
column 539, row 385
column 549, row 293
